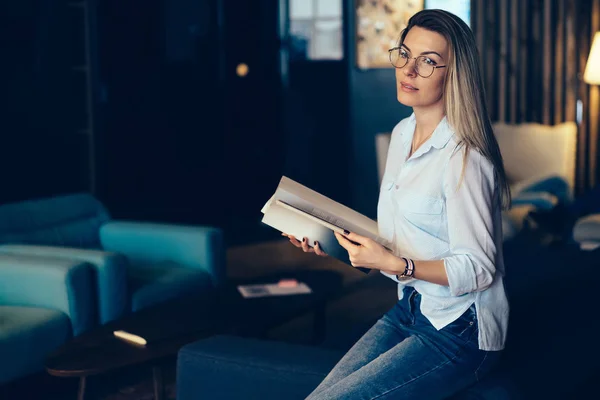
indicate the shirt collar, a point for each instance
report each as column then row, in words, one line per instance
column 440, row 137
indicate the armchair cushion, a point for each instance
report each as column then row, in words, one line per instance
column 110, row 273
column 27, row 334
column 58, row 284
column 147, row 243
column 71, row 220
column 587, row 231
column 157, row 282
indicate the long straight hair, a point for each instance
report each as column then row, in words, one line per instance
column 464, row 94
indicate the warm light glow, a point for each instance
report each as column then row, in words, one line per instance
column 242, row 70
column 592, row 69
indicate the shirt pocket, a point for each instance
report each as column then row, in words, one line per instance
column 424, row 213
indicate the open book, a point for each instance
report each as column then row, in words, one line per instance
column 299, row 211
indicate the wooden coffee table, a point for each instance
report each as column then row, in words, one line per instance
column 171, row 325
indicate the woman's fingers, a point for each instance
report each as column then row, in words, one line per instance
column 318, row 250
column 294, row 241
column 303, row 245
column 306, row 247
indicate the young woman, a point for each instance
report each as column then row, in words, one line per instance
column 440, row 205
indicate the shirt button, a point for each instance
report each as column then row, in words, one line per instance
column 397, row 186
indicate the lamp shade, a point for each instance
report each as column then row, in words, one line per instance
column 592, row 68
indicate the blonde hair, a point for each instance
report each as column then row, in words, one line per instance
column 464, row 95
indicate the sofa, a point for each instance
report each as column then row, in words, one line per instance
column 43, row 303
column 135, row 264
column 550, row 351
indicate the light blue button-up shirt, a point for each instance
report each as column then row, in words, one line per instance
column 424, row 212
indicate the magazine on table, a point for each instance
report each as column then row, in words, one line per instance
column 302, row 212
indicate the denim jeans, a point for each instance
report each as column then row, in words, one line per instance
column 404, row 357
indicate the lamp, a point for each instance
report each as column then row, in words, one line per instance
column 592, row 68
column 591, row 76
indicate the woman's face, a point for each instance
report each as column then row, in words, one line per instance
column 412, row 89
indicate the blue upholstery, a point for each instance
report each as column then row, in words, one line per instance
column 227, row 367
column 553, row 189
column 71, row 220
column 42, row 304
column 62, row 285
column 190, row 246
column 136, row 264
column 154, row 283
column 110, row 274
column 27, row 334
column 540, row 200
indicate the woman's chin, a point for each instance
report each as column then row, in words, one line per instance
column 405, row 100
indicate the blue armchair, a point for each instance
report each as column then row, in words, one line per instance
column 43, row 303
column 136, row 264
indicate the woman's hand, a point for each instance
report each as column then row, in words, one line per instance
column 367, row 253
column 304, row 245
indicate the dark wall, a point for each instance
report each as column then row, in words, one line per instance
column 184, row 138
column 179, row 135
column 373, row 109
column 43, row 144
column 161, row 140
column 253, row 108
column 317, row 127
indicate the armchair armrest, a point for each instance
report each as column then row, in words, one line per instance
column 110, row 273
column 198, row 247
column 59, row 284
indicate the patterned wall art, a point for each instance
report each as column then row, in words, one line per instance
column 379, row 24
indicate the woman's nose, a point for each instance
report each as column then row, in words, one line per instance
column 410, row 69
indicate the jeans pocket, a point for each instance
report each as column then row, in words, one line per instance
column 464, row 326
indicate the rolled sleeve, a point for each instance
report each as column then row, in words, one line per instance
column 470, row 209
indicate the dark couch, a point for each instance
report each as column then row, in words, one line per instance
column 550, row 349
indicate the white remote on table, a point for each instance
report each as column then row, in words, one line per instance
column 130, row 337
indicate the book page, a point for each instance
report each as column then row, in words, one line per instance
column 326, row 209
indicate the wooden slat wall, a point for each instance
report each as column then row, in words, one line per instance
column 594, row 106
column 534, row 54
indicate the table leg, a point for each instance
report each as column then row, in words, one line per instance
column 159, row 391
column 81, row 390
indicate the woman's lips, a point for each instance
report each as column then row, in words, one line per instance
column 407, row 87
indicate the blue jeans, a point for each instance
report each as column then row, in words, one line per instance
column 404, row 357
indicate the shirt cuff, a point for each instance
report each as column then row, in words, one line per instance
column 460, row 281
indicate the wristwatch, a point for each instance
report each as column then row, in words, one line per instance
column 409, row 269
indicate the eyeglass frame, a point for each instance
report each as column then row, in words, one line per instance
column 412, row 58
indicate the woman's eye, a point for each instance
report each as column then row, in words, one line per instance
column 403, row 54
column 430, row 61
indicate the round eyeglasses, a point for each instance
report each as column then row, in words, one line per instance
column 424, row 66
